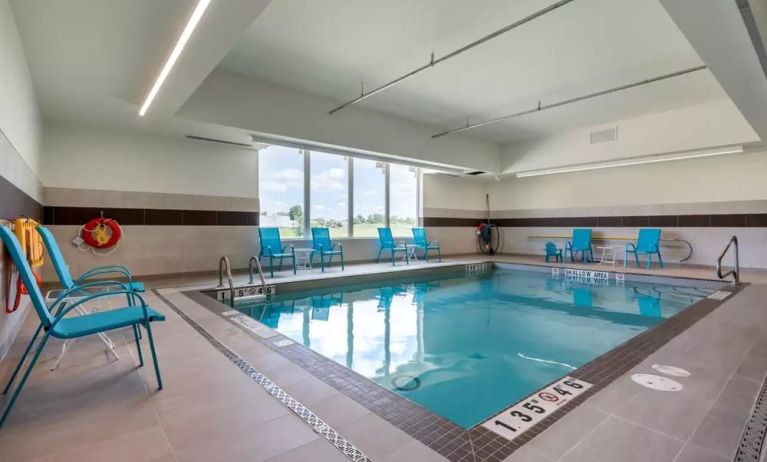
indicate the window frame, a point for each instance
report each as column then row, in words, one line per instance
column 307, row 153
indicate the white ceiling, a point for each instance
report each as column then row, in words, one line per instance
column 328, row 47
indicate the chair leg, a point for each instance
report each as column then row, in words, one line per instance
column 392, row 257
column 636, row 257
column 322, row 262
column 649, row 260
column 23, row 380
column 426, row 254
column 378, row 258
column 330, row 260
column 660, row 260
column 342, row 260
column 154, row 355
column 439, row 254
column 280, row 268
column 23, row 358
column 271, row 266
column 625, row 257
column 138, row 346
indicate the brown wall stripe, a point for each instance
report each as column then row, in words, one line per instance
column 14, row 202
column 665, row 221
column 149, row 217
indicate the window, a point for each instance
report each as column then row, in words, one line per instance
column 403, row 199
column 299, row 189
column 369, row 197
column 329, row 186
column 281, row 189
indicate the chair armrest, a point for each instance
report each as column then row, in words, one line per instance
column 269, row 249
column 632, row 245
column 128, row 293
column 69, row 292
column 291, row 247
column 339, row 245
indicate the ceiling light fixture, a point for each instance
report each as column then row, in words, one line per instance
column 199, row 10
column 635, row 161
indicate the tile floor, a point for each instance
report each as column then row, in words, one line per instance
column 94, row 408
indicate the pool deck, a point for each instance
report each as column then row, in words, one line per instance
column 94, row 408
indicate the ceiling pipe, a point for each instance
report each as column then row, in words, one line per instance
column 540, row 107
column 433, row 62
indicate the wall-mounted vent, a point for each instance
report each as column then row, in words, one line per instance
column 475, row 173
column 604, row 136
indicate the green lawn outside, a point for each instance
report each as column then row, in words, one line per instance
column 400, row 230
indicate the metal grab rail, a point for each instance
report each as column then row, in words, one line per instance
column 223, row 263
column 735, row 272
column 260, row 273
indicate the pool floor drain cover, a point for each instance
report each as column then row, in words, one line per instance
column 406, row 383
column 673, row 371
column 657, row 382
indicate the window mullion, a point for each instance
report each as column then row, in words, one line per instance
column 307, row 194
column 387, row 207
column 350, row 195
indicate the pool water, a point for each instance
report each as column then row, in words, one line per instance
column 467, row 347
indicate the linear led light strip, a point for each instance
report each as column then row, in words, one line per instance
column 199, row 10
column 626, row 163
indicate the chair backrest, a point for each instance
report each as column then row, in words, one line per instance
column 59, row 264
column 321, row 239
column 270, row 237
column 386, row 237
column 25, row 272
column 648, row 240
column 581, row 239
column 551, row 248
column 419, row 237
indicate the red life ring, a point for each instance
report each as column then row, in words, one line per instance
column 93, row 233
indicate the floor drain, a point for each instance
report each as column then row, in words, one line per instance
column 657, row 382
column 406, row 383
column 671, row 370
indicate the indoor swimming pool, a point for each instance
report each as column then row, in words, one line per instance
column 468, row 346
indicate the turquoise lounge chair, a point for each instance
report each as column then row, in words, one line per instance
column 648, row 243
column 62, row 327
column 552, row 251
column 271, row 246
column 76, row 290
column 386, row 240
column 322, row 245
column 422, row 242
column 581, row 242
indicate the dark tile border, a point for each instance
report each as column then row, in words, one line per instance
column 149, row 217
column 752, row 220
column 478, row 443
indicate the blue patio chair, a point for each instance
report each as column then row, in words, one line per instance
column 422, row 242
column 77, row 288
column 322, row 245
column 136, row 314
column 271, row 246
column 552, row 251
column 386, row 240
column 581, row 242
column 648, row 243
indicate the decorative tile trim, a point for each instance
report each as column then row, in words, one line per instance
column 745, row 220
column 348, row 449
column 478, row 444
column 149, row 217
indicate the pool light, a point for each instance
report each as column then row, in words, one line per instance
column 199, row 10
column 633, row 161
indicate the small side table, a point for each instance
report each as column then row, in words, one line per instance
column 304, row 258
column 410, row 252
column 608, row 255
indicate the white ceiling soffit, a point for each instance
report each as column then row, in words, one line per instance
column 719, row 34
column 587, row 45
column 103, row 56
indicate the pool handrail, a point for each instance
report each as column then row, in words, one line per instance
column 735, row 272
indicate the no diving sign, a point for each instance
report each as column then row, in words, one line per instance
column 522, row 416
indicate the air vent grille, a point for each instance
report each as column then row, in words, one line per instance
column 604, row 136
